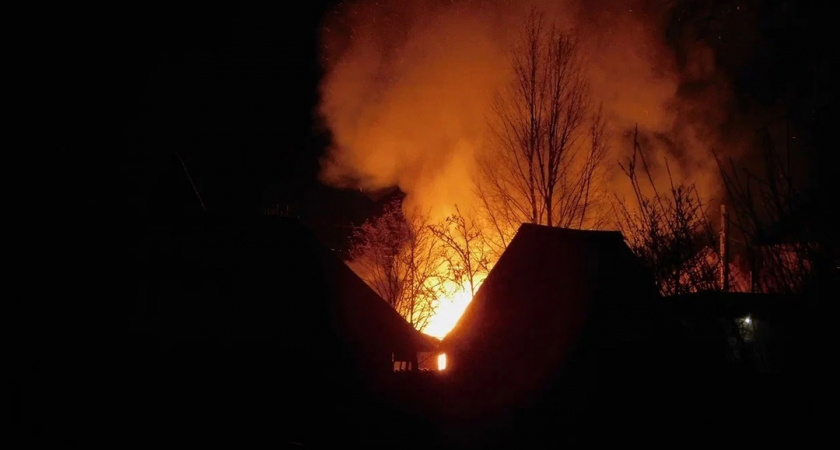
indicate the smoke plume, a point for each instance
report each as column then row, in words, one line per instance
column 408, row 86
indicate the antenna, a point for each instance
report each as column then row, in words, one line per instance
column 191, row 181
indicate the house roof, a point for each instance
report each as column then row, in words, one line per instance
column 555, row 296
column 271, row 273
column 546, row 285
column 555, row 267
column 709, row 258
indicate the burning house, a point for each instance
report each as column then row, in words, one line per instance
column 535, row 306
column 256, row 327
column 568, row 336
column 563, row 313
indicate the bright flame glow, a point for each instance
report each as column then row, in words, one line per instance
column 442, row 361
column 449, row 310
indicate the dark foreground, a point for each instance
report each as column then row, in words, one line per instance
column 90, row 371
column 87, row 388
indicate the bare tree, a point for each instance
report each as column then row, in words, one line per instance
column 465, row 252
column 670, row 232
column 398, row 257
column 783, row 229
column 541, row 166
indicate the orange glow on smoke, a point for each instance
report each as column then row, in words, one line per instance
column 442, row 361
column 408, row 88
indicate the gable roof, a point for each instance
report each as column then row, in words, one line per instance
column 707, row 258
column 270, row 275
column 250, row 325
column 548, row 270
column 549, row 286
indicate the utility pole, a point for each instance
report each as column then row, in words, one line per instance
column 191, row 181
column 724, row 249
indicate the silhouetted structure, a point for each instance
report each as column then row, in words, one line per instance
column 273, row 323
column 568, row 342
column 748, row 361
column 736, row 331
column 562, row 314
column 227, row 330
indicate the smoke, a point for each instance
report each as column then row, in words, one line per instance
column 408, row 86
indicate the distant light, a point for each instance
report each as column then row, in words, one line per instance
column 442, row 361
column 747, row 320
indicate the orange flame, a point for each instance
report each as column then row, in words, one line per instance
column 449, row 310
column 441, row 361
column 408, row 86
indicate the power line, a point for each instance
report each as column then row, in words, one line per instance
column 191, row 181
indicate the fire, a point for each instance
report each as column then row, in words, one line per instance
column 441, row 361
column 449, row 310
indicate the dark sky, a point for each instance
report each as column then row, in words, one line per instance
column 231, row 91
column 781, row 59
column 228, row 90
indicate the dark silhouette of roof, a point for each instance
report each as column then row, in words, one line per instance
column 568, row 341
column 552, row 293
column 270, row 275
column 240, row 330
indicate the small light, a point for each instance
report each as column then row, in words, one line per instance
column 747, row 320
column 441, row 360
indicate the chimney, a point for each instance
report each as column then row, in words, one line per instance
column 724, row 249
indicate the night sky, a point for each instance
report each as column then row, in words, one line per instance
column 133, row 91
column 231, row 92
